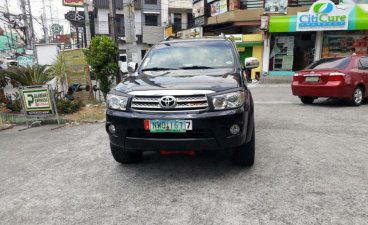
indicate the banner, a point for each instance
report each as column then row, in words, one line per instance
column 77, row 71
column 37, row 101
column 218, row 7
column 276, row 6
column 198, row 9
column 74, row 3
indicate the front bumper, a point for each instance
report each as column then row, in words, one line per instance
column 211, row 131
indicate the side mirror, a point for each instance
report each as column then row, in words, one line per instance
column 132, row 67
column 251, row 63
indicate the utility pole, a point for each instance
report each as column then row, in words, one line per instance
column 113, row 35
column 44, row 22
column 52, row 22
column 26, row 23
column 129, row 25
column 112, row 8
column 87, row 26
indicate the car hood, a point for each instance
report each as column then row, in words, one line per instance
column 206, row 79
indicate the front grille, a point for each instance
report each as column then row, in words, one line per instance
column 183, row 103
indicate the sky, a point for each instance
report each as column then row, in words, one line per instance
column 57, row 10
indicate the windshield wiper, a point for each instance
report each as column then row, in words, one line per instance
column 195, row 67
column 158, row 69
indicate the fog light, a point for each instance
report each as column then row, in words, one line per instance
column 235, row 129
column 112, row 129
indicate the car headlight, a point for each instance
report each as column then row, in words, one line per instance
column 117, row 102
column 228, row 101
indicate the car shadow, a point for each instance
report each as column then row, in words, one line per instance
column 203, row 165
column 330, row 102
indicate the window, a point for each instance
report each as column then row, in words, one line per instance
column 190, row 20
column 331, row 63
column 150, row 2
column 363, row 63
column 143, row 53
column 120, row 25
column 177, row 55
column 151, row 19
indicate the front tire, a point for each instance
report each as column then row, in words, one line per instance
column 358, row 96
column 125, row 157
column 307, row 100
column 244, row 154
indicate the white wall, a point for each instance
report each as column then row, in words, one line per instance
column 180, row 4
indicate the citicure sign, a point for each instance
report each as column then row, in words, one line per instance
column 323, row 15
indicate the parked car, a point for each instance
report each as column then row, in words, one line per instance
column 187, row 95
column 343, row 77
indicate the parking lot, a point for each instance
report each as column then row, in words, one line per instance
column 311, row 168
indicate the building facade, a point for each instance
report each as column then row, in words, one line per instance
column 324, row 29
column 150, row 19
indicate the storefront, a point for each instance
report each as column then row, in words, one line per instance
column 249, row 45
column 325, row 30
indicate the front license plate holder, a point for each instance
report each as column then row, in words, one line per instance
column 168, row 126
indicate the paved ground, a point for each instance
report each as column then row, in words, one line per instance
column 311, row 168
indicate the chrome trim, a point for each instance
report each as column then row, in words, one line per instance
column 171, row 92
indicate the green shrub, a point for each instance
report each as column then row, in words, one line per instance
column 14, row 105
column 67, row 106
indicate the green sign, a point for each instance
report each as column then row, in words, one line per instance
column 56, row 28
column 37, row 101
column 25, row 60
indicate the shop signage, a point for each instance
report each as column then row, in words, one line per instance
column 200, row 21
column 276, row 6
column 56, row 28
column 218, row 7
column 26, row 60
column 323, row 15
column 74, row 3
column 37, row 101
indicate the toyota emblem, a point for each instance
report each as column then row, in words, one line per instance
column 167, row 102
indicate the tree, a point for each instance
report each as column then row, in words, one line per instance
column 29, row 75
column 101, row 56
column 58, row 70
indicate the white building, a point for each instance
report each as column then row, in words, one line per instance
column 151, row 18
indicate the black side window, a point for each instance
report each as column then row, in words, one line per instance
column 363, row 63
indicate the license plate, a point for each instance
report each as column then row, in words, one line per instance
column 311, row 79
column 168, row 126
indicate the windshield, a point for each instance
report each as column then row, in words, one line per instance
column 330, row 63
column 190, row 55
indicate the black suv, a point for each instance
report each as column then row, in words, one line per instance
column 187, row 95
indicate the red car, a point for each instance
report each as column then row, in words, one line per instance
column 345, row 78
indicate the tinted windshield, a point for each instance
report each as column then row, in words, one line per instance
column 190, row 55
column 331, row 63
